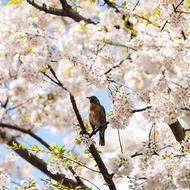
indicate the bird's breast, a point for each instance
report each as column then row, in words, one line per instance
column 94, row 114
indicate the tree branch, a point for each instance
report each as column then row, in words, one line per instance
column 178, row 131
column 140, row 110
column 98, row 129
column 113, row 5
column 29, row 132
column 42, row 166
column 93, row 151
column 119, row 137
column 175, row 10
column 26, row 131
column 66, row 11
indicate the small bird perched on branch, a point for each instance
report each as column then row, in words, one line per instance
column 97, row 117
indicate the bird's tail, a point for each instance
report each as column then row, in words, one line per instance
column 102, row 138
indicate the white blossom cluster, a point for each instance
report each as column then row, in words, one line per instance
column 121, row 166
column 186, row 143
column 163, row 108
column 148, row 61
column 85, row 140
column 56, row 166
column 12, row 157
column 122, row 109
column 150, row 148
column 182, row 173
column 4, row 180
column 50, row 187
column 160, row 174
column 29, row 183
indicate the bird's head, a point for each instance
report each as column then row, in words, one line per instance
column 93, row 99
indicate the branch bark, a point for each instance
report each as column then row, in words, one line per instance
column 178, row 131
column 113, row 5
column 29, row 132
column 42, row 166
column 107, row 177
column 66, row 11
column 93, row 151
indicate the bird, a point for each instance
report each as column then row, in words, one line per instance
column 97, row 118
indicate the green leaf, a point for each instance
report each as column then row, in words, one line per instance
column 15, row 2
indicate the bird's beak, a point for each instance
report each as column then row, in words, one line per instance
column 88, row 98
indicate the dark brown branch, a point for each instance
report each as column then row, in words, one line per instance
column 183, row 35
column 119, row 137
column 93, row 151
column 164, row 26
column 42, row 166
column 79, row 118
column 67, row 11
column 185, row 109
column 116, row 66
column 150, row 132
column 180, row 3
column 64, row 4
column 140, row 110
column 175, row 10
column 178, row 131
column 29, row 132
column 136, row 5
column 184, row 12
column 26, row 131
column 136, row 154
column 98, row 129
column 113, row 5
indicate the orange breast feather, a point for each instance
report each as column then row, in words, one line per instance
column 94, row 114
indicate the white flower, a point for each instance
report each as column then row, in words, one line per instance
column 57, row 165
column 85, row 140
column 4, row 178
column 121, row 166
column 182, row 173
column 122, row 109
column 11, row 157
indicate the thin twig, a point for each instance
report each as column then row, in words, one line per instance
column 119, row 137
column 98, row 129
column 180, row 3
column 140, row 110
column 90, row 182
column 136, row 5
column 175, row 10
column 136, row 154
column 18, row 105
column 164, row 25
column 184, row 12
column 149, row 136
column 116, row 66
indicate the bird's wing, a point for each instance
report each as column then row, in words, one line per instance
column 93, row 126
column 103, row 115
